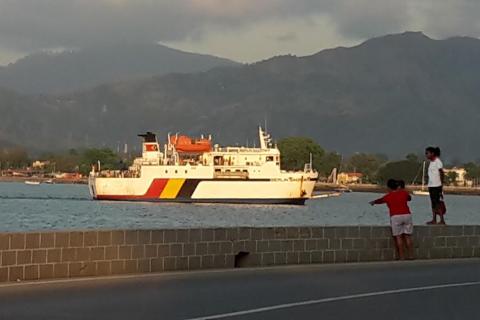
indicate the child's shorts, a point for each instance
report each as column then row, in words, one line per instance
column 401, row 224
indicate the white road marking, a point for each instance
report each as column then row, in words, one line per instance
column 333, row 299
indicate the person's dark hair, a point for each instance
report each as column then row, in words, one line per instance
column 435, row 150
column 401, row 184
column 392, row 184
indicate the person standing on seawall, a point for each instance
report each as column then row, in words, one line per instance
column 435, row 184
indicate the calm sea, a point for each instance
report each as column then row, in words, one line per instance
column 46, row 207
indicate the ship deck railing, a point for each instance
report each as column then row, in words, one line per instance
column 117, row 174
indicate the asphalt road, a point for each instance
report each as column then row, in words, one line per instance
column 402, row 290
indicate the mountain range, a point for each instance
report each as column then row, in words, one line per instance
column 58, row 72
column 394, row 95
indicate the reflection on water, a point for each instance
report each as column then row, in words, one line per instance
column 25, row 207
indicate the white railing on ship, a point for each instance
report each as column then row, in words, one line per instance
column 118, row 174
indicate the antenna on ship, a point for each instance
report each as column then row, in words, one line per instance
column 309, row 166
column 261, row 137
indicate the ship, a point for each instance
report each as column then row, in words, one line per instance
column 194, row 170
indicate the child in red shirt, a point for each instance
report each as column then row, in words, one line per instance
column 400, row 216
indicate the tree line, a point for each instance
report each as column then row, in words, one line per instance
column 72, row 160
column 376, row 168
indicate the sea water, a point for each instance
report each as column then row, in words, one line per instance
column 59, row 207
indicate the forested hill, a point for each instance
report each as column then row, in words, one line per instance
column 393, row 94
column 44, row 72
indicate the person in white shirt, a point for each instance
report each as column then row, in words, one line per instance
column 435, row 184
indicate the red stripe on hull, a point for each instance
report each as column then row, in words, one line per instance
column 152, row 193
column 155, row 188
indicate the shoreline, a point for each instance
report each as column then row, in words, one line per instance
column 374, row 188
column 43, row 180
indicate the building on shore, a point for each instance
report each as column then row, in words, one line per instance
column 350, row 178
column 40, row 165
column 460, row 175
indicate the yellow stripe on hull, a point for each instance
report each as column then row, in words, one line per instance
column 172, row 188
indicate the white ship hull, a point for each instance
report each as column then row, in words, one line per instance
column 202, row 190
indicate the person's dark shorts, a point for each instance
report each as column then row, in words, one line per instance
column 436, row 196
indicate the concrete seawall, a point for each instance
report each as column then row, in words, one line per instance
column 47, row 255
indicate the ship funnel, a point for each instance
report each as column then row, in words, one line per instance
column 148, row 137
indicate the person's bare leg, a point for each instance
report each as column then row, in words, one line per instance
column 409, row 245
column 434, row 217
column 442, row 219
column 397, row 254
column 399, row 245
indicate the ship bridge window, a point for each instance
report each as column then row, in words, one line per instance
column 218, row 160
column 269, row 158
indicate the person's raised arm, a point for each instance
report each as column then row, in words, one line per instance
column 378, row 201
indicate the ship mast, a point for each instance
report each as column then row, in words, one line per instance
column 264, row 138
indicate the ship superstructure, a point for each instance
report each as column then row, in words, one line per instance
column 194, row 170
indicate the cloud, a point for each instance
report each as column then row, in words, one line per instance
column 448, row 18
column 29, row 25
column 260, row 40
column 367, row 18
column 287, row 37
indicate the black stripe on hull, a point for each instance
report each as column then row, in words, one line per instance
column 188, row 188
column 293, row 201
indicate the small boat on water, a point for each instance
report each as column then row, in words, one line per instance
column 32, row 183
column 196, row 170
column 343, row 189
column 326, row 195
column 339, row 187
column 422, row 191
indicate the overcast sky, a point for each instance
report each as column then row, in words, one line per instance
column 243, row 30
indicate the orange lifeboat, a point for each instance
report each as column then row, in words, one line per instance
column 189, row 145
